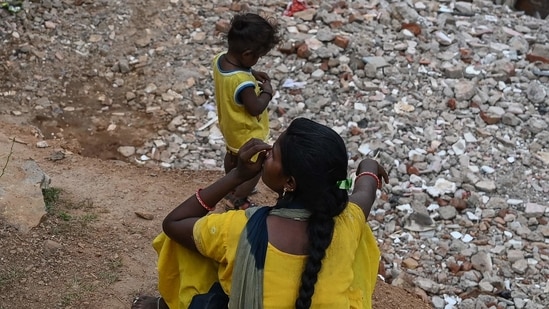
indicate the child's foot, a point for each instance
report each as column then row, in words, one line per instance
column 237, row 203
column 148, row 302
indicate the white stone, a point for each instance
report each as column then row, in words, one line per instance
column 451, row 301
column 473, row 217
column 459, row 147
column 442, row 186
column 404, row 207
column 467, row 238
column 433, row 207
column 514, row 202
column 442, row 38
column 210, row 162
column 42, row 144
column 469, row 137
column 317, row 74
column 360, row 107
column 472, row 71
column 364, row 149
column 416, row 180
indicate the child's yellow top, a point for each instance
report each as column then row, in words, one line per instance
column 236, row 124
column 346, row 280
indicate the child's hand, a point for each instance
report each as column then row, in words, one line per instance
column 266, row 86
column 261, row 76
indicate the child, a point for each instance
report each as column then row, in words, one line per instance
column 313, row 249
column 242, row 94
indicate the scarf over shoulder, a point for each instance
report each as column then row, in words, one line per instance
column 247, row 284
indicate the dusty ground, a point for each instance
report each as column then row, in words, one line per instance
column 92, row 250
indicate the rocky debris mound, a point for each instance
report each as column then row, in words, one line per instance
column 451, row 96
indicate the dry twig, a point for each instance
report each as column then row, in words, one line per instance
column 8, row 158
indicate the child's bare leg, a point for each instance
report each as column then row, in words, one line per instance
column 246, row 188
column 239, row 197
column 229, row 162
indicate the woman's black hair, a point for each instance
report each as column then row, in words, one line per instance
column 252, row 32
column 316, row 157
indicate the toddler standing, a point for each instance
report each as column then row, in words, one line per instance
column 242, row 93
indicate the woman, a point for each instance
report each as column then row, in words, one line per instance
column 313, row 249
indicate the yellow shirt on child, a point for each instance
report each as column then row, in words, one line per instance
column 235, row 123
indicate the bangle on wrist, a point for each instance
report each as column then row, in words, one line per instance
column 268, row 93
column 371, row 175
column 197, row 194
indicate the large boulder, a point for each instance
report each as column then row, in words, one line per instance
column 21, row 183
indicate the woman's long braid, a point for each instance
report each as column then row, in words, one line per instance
column 320, row 232
column 315, row 155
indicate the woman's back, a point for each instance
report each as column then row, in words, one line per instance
column 340, row 283
column 288, row 235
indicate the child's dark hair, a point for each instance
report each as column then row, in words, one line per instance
column 316, row 157
column 252, row 32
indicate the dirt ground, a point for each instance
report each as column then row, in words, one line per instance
column 92, row 250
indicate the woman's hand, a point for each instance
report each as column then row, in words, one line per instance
column 250, row 158
column 372, row 166
column 364, row 192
